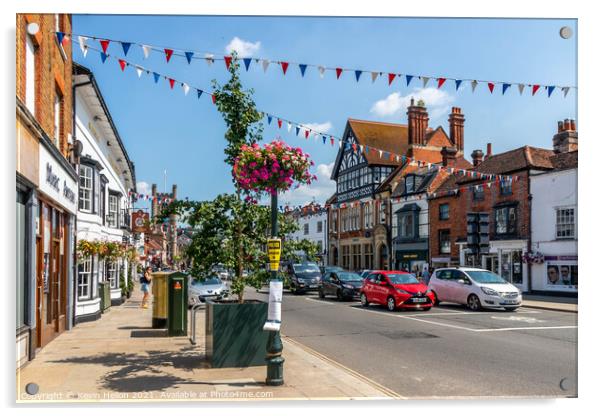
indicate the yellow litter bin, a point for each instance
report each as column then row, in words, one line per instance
column 159, row 285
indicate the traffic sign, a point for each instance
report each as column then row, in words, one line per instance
column 274, row 250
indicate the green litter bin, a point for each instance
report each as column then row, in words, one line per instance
column 104, row 291
column 177, row 304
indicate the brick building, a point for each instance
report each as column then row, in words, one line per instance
column 359, row 212
column 162, row 242
column 46, row 182
column 508, row 203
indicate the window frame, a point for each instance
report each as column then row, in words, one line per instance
column 478, row 193
column 506, row 210
column 82, row 189
column 306, row 229
column 90, row 273
column 571, row 225
column 441, row 216
column 113, row 221
column 447, row 232
column 505, row 187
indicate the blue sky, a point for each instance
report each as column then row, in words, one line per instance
column 163, row 129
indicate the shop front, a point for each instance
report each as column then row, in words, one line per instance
column 54, row 230
column 505, row 258
column 411, row 257
column 557, row 273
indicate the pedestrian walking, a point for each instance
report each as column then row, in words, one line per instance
column 145, row 282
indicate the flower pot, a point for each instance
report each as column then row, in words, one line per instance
column 234, row 333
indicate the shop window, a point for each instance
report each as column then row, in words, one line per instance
column 444, row 242
column 565, row 223
column 84, row 279
column 505, row 220
column 444, row 212
column 85, row 188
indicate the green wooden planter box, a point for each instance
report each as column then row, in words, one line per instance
column 234, row 333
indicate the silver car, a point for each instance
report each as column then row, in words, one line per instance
column 210, row 288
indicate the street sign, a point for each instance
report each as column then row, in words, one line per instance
column 274, row 250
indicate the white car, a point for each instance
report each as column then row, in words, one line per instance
column 476, row 288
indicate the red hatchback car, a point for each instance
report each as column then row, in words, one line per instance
column 396, row 289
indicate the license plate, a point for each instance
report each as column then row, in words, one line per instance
column 419, row 300
column 510, row 302
column 313, row 286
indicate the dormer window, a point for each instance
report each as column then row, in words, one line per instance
column 410, row 184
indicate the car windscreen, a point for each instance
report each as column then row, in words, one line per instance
column 208, row 281
column 306, row 268
column 485, row 276
column 402, row 278
column 349, row 277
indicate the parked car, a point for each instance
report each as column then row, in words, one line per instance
column 220, row 271
column 475, row 288
column 326, row 269
column 342, row 284
column 303, row 277
column 199, row 290
column 396, row 289
column 365, row 273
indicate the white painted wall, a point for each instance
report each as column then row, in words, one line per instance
column 550, row 191
column 313, row 235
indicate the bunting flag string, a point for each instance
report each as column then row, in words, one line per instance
column 210, row 57
column 147, row 197
column 307, row 130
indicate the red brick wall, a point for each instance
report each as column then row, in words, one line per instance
column 53, row 71
column 463, row 203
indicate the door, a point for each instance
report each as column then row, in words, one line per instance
column 511, row 267
column 440, row 283
column 380, row 290
column 459, row 292
column 369, row 285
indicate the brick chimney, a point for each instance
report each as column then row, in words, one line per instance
column 154, row 202
column 174, row 191
column 456, row 128
column 565, row 140
column 489, row 152
column 418, row 121
column 448, row 155
column 477, row 157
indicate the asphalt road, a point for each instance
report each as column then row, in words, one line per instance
column 445, row 352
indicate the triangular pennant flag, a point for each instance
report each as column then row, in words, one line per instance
column 380, row 153
column 440, row 82
column 265, row 63
column 189, row 56
column 409, row 79
column 103, row 57
column 321, row 70
column 171, row 82
column 289, row 126
column 279, row 123
column 565, row 90
column 104, row 44
column 391, row 78
column 156, row 77
column 269, row 119
column 306, row 134
column 324, row 139
column 146, row 50
column 458, row 82
column 122, row 64
column 85, row 50
column 491, row 86
column 550, row 90
column 425, row 80
column 213, row 98
column 534, row 89
column 82, row 44
column 331, row 141
column 505, row 86
column 60, row 36
column 473, row 85
column 339, row 71
column 297, row 128
column 284, row 66
column 126, row 47
column 228, row 61
column 302, row 68
column 186, row 88
column 374, row 75
column 209, row 59
column 199, row 93
column 358, row 73
column 139, row 71
column 247, row 62
column 521, row 87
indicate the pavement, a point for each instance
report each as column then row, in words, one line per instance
column 121, row 358
column 552, row 303
column 447, row 352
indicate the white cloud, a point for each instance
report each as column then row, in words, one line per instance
column 438, row 103
column 143, row 188
column 319, row 190
column 319, row 127
column 242, row 47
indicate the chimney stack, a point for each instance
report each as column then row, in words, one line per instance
column 566, row 139
column 489, row 152
column 174, row 191
column 456, row 128
column 448, row 154
column 477, row 157
column 418, row 120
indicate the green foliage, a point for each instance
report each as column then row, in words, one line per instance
column 309, row 248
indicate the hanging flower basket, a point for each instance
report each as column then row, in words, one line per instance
column 271, row 169
column 86, row 248
column 533, row 258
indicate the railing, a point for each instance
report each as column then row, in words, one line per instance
column 195, row 308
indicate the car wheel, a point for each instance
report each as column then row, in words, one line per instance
column 426, row 309
column 364, row 300
column 321, row 293
column 390, row 303
column 511, row 309
column 436, row 302
column 339, row 295
column 473, row 302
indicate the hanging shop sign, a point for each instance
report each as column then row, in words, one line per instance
column 141, row 221
column 56, row 182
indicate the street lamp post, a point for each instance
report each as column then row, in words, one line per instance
column 275, row 362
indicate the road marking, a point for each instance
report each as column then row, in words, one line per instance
column 526, row 319
column 321, row 301
column 524, row 327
